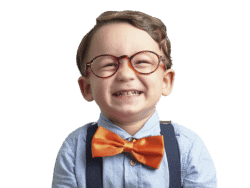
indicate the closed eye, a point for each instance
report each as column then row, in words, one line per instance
column 141, row 62
column 110, row 65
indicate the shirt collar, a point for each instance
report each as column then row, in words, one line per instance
column 150, row 128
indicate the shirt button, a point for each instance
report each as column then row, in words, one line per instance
column 132, row 162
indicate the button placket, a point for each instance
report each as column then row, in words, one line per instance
column 133, row 161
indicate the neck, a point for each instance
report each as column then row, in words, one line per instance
column 131, row 125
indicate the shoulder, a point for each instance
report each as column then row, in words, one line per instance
column 196, row 162
column 71, row 152
column 181, row 131
column 78, row 136
column 187, row 139
column 189, row 143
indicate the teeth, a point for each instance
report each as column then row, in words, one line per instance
column 128, row 93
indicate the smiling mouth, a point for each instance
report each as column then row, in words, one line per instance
column 129, row 93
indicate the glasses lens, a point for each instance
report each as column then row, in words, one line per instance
column 145, row 62
column 104, row 66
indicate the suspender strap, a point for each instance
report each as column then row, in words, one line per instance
column 94, row 165
column 173, row 155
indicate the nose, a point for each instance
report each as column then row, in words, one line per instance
column 125, row 71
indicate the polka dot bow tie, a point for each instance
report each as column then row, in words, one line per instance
column 148, row 150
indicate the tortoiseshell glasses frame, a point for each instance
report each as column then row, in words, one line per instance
column 160, row 58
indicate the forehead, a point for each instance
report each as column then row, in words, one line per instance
column 121, row 39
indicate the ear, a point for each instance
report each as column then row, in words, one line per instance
column 84, row 84
column 168, row 81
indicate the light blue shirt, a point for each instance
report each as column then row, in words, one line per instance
column 197, row 168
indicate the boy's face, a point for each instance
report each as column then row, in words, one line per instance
column 124, row 39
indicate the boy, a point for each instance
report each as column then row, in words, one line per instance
column 125, row 64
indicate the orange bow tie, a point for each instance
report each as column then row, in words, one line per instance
column 148, row 150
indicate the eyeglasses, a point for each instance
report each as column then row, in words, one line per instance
column 143, row 62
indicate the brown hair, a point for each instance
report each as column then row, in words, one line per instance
column 153, row 26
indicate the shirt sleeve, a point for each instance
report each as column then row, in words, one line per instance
column 64, row 171
column 200, row 170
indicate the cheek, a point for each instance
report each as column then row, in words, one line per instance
column 154, row 83
column 99, row 88
column 156, row 88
